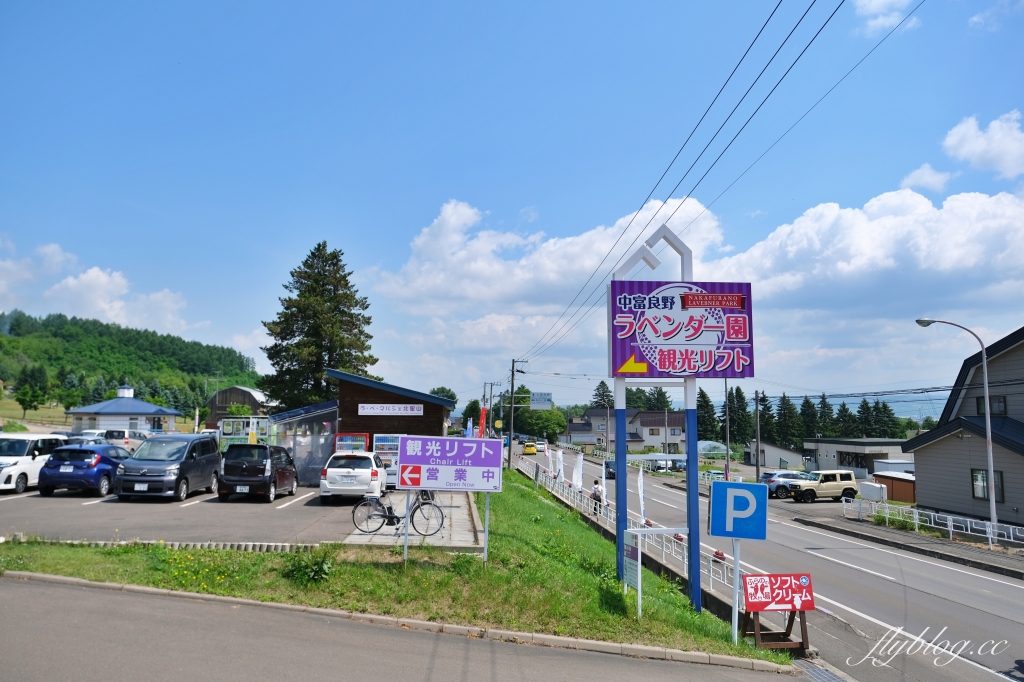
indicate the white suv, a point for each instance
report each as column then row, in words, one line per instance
column 22, row 455
column 352, row 474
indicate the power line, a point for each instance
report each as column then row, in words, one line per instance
column 658, row 183
column 717, row 159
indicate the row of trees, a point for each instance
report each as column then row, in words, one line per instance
column 35, row 387
column 654, row 398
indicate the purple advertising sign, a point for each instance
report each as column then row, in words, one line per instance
column 440, row 463
column 677, row 330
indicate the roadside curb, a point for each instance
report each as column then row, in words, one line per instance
column 478, row 528
column 539, row 639
column 916, row 549
column 683, row 489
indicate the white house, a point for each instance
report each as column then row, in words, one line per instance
column 123, row 412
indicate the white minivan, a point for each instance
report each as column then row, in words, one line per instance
column 22, row 455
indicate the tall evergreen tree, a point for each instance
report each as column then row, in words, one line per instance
column 636, row 398
column 657, row 399
column 846, row 425
column 929, row 423
column 98, row 390
column 322, row 325
column 809, row 417
column 887, row 424
column 741, row 421
column 472, row 411
column 790, row 428
column 766, row 416
column 707, row 420
column 603, row 396
column 445, row 392
column 826, row 418
column 866, row 419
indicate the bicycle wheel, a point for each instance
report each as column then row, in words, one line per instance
column 368, row 516
column 427, row 518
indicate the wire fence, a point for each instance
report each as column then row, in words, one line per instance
column 912, row 518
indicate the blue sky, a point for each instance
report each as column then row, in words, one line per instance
column 165, row 166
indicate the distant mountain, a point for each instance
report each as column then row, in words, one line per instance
column 91, row 349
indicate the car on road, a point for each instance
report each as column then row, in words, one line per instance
column 836, row 484
column 81, row 467
column 22, row 455
column 129, row 440
column 779, row 482
column 352, row 474
column 529, row 448
column 169, row 466
column 609, row 469
column 261, row 470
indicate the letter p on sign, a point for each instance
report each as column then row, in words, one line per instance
column 739, row 510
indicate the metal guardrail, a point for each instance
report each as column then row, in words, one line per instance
column 671, row 549
column 946, row 523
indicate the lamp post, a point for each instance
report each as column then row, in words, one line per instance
column 925, row 322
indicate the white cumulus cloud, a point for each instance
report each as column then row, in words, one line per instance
column 104, row 294
column 54, row 258
column 926, row 177
column 1000, row 147
column 880, row 15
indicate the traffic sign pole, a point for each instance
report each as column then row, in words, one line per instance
column 487, row 524
column 692, row 495
column 735, row 590
column 408, row 520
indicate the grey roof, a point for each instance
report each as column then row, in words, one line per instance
column 1001, row 346
column 657, row 418
column 127, row 406
column 1006, row 432
column 857, row 441
column 407, row 392
column 600, row 412
column 300, row 412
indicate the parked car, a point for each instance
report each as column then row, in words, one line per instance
column 609, row 469
column 93, row 433
column 262, row 470
column 835, row 484
column 171, row 465
column 86, row 440
column 529, row 448
column 766, row 476
column 778, row 483
column 22, row 455
column 81, row 467
column 130, row 440
column 352, row 474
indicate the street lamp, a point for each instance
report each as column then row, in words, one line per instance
column 925, row 322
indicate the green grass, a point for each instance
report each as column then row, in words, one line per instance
column 548, row 572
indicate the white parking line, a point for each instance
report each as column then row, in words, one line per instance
column 189, row 504
column 296, row 500
column 828, row 558
column 5, row 498
column 95, row 501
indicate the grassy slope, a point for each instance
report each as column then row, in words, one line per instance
column 548, row 572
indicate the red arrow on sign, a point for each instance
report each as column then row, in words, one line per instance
column 410, row 475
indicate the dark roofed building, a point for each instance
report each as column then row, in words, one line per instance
column 951, row 462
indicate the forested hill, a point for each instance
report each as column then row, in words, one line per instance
column 90, row 348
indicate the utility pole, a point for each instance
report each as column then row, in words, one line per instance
column 665, row 448
column 728, row 452
column 757, row 437
column 511, row 412
column 490, row 410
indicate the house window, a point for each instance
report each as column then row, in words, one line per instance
column 675, row 432
column 601, row 427
column 654, row 432
column 854, row 460
column 92, row 422
column 979, row 484
column 998, row 405
column 133, row 423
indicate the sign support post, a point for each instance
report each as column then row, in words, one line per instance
column 487, row 524
column 408, row 520
column 735, row 590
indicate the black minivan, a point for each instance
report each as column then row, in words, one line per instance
column 171, row 465
column 257, row 469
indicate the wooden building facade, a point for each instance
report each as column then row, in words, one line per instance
column 382, row 414
column 220, row 401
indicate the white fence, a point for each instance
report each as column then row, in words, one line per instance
column 945, row 523
column 672, row 550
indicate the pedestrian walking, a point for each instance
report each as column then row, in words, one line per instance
column 597, row 495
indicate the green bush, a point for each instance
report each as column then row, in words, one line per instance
column 311, row 567
column 14, row 427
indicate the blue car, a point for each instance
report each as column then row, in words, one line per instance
column 81, row 467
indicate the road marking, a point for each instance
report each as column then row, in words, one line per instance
column 189, row 504
column 5, row 498
column 93, row 502
column 828, row 558
column 654, row 499
column 902, row 556
column 296, row 500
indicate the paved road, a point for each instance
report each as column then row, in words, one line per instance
column 870, row 587
column 84, row 634
column 201, row 518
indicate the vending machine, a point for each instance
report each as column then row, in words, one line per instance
column 351, row 442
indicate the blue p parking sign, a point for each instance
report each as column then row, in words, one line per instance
column 739, row 510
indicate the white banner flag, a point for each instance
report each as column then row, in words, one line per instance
column 640, row 491
column 577, row 473
column 558, row 469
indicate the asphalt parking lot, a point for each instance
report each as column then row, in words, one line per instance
column 201, row 518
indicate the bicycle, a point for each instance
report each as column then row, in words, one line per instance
column 370, row 515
